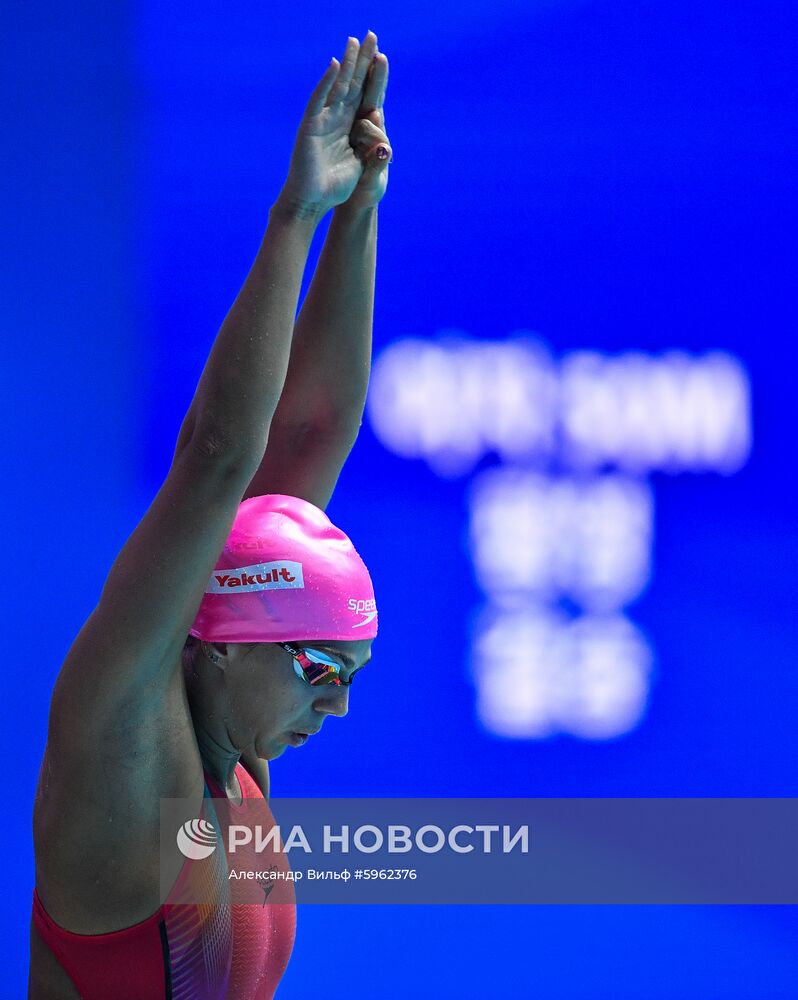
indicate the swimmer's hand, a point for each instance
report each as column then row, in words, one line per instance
column 325, row 168
column 369, row 139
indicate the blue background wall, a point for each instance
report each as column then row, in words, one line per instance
column 612, row 176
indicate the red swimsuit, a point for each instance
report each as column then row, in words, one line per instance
column 185, row 951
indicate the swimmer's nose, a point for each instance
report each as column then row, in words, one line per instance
column 332, row 700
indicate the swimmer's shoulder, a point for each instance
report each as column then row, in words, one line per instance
column 96, row 827
column 120, row 735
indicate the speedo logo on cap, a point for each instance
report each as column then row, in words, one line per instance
column 366, row 608
column 282, row 575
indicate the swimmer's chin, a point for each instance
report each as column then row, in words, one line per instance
column 271, row 750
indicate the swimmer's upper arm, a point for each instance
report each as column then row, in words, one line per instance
column 133, row 638
column 303, row 461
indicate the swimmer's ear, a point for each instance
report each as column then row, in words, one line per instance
column 216, row 652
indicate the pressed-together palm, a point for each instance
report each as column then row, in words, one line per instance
column 341, row 146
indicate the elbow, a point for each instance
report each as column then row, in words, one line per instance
column 314, row 434
column 233, row 452
column 212, row 442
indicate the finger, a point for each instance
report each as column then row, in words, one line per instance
column 379, row 157
column 377, row 117
column 374, row 94
column 366, row 134
column 365, row 57
column 323, row 87
column 341, row 85
column 370, row 142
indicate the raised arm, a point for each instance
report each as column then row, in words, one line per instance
column 321, row 407
column 120, row 734
column 244, row 377
column 155, row 586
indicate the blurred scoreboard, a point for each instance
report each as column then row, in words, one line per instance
column 558, row 453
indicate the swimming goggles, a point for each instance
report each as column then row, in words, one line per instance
column 314, row 667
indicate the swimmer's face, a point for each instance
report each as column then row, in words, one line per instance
column 270, row 705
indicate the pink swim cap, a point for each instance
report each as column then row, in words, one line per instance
column 286, row 572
